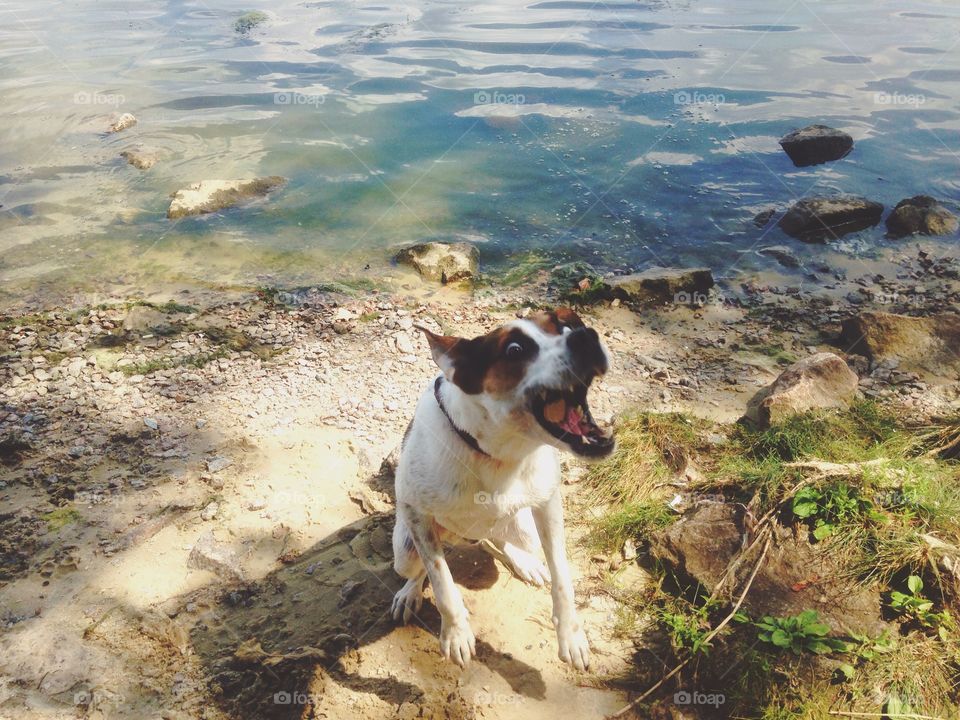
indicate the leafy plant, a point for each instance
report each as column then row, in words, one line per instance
column 799, row 633
column 832, row 507
column 688, row 630
column 913, row 605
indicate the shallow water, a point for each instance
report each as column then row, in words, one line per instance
column 626, row 133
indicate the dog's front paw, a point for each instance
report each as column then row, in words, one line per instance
column 408, row 601
column 457, row 642
column 574, row 648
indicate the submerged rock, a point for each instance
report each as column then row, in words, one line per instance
column 795, row 576
column 782, row 254
column 921, row 215
column 209, row 196
column 444, row 262
column 816, row 144
column 141, row 158
column 248, row 21
column 123, row 122
column 822, row 218
column 820, row 381
column 679, row 285
column 919, row 344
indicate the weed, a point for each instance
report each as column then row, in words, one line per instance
column 799, row 633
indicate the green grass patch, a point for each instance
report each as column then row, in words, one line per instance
column 61, row 517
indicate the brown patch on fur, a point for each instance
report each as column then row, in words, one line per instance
column 481, row 364
column 553, row 321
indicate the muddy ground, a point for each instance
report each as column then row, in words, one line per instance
column 196, row 496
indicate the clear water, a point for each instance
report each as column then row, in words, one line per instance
column 624, row 133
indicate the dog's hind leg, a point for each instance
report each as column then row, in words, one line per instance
column 407, row 563
column 519, row 544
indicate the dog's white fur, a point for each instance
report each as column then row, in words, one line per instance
column 447, row 491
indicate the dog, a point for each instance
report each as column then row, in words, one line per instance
column 480, row 461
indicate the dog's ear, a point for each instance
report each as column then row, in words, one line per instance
column 444, row 349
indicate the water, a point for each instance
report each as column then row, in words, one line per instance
column 626, row 133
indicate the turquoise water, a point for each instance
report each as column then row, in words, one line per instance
column 624, row 133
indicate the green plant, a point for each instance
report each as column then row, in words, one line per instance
column 799, row 633
column 688, row 630
column 832, row 507
column 915, row 606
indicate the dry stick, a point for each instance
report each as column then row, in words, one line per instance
column 883, row 715
column 706, row 640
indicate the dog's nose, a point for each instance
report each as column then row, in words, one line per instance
column 587, row 353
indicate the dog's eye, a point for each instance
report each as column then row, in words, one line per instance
column 514, row 350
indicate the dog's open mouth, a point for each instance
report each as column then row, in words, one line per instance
column 565, row 415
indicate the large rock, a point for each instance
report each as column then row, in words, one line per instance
column 213, row 556
column 927, row 344
column 209, row 196
column 663, row 285
column 921, row 215
column 444, row 262
column 816, row 144
column 823, row 218
column 820, row 381
column 794, row 577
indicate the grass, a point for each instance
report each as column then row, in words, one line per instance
column 885, row 522
column 61, row 517
column 651, row 450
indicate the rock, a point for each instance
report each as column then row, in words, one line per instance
column 657, row 284
column 209, row 196
column 123, row 122
column 446, row 262
column 782, row 254
column 213, row 556
column 210, row 511
column 928, row 344
column 821, row 218
column 141, row 158
column 248, row 21
column 816, row 144
column 141, row 318
column 819, row 381
column 795, row 576
column 762, row 218
column 921, row 215
column 218, row 463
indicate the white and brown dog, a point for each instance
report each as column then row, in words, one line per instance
column 480, row 461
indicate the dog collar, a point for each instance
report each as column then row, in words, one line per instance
column 464, row 435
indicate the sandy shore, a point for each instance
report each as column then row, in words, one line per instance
column 197, row 510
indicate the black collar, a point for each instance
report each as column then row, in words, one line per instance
column 464, row 435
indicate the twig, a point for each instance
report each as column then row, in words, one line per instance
column 883, row 715
column 706, row 640
column 828, row 468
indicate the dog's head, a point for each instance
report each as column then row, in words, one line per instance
column 533, row 373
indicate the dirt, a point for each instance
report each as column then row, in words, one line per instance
column 266, row 427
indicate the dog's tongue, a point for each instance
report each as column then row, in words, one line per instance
column 571, row 423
